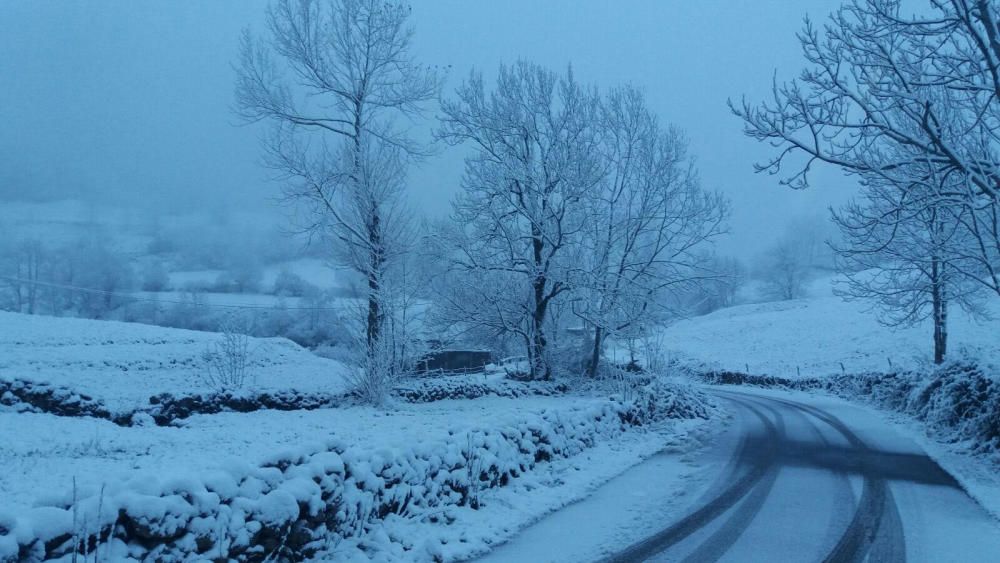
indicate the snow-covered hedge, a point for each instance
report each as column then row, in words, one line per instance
column 166, row 408
column 30, row 396
column 463, row 387
column 301, row 504
column 957, row 401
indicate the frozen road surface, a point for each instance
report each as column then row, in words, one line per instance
column 798, row 479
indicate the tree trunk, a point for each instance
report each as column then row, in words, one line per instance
column 940, row 312
column 373, row 329
column 540, row 368
column 595, row 356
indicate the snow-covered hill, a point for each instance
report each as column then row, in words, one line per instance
column 815, row 335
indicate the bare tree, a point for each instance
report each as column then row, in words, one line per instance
column 24, row 264
column 93, row 262
column 535, row 158
column 648, row 221
column 784, row 270
column 729, row 275
column 903, row 250
column 886, row 96
column 333, row 79
column 229, row 360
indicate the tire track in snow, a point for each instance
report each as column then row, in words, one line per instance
column 876, row 528
column 759, row 467
column 712, row 548
column 874, row 531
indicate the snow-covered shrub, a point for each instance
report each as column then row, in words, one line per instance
column 463, row 387
column 155, row 276
column 230, row 359
column 166, row 408
column 624, row 382
column 374, row 374
column 9, row 548
column 961, row 401
column 243, row 276
column 654, row 355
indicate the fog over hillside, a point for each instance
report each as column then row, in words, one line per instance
column 439, row 281
column 142, row 117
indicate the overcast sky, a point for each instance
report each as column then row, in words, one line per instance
column 129, row 101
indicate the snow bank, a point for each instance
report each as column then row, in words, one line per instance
column 298, row 505
column 958, row 402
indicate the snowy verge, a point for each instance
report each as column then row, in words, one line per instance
column 958, row 402
column 955, row 405
column 509, row 511
column 302, row 504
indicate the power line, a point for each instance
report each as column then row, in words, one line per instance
column 133, row 297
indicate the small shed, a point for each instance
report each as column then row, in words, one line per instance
column 454, row 361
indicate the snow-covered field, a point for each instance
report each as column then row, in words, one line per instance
column 123, row 364
column 312, row 270
column 818, row 335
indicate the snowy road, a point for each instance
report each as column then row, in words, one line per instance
column 803, row 485
column 796, row 478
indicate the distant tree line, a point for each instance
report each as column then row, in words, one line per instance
column 89, row 276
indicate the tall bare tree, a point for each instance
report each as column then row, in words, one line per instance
column 335, row 79
column 904, row 251
column 648, row 221
column 784, row 269
column 534, row 159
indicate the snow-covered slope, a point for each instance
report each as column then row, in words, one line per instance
column 815, row 335
column 123, row 364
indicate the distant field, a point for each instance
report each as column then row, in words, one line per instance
column 311, row 270
column 816, row 335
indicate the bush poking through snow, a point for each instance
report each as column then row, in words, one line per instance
column 625, row 383
column 379, row 369
column 229, row 360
